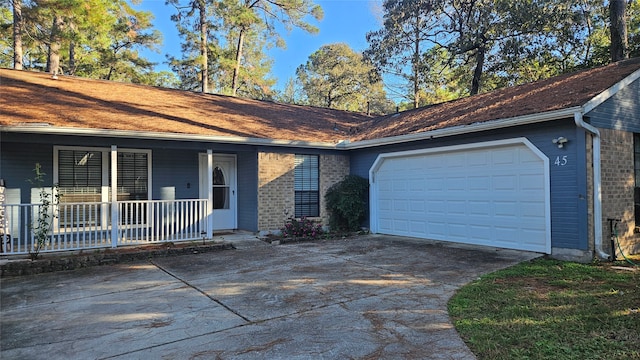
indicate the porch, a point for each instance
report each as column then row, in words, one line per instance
column 92, row 225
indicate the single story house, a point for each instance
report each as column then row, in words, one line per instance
column 538, row 167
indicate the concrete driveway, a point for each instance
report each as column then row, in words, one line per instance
column 373, row 297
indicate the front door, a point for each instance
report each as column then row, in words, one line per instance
column 224, row 192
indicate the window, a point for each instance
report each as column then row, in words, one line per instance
column 80, row 175
column 80, row 181
column 220, row 189
column 636, row 192
column 83, row 177
column 306, row 174
column 133, row 176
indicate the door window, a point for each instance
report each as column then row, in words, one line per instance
column 220, row 189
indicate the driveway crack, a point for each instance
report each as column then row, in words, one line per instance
column 201, row 292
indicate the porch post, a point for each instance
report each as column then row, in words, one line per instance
column 209, row 194
column 114, row 196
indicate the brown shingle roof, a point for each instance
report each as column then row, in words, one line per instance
column 29, row 97
column 555, row 93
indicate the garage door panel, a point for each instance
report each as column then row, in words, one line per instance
column 491, row 196
column 418, row 227
column 531, row 182
column 417, row 206
column 385, row 204
column 505, row 183
column 481, row 183
column 400, row 205
column 503, row 156
column 478, row 159
column 456, row 160
column 507, row 208
column 532, row 209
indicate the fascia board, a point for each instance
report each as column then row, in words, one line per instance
column 50, row 130
column 465, row 129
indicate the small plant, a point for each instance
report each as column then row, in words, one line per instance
column 43, row 219
column 346, row 202
column 302, row 228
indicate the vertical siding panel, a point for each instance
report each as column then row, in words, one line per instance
column 247, row 164
column 619, row 112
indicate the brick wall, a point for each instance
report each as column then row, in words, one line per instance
column 275, row 190
column 617, row 187
column 276, row 193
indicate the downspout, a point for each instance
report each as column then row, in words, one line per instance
column 597, row 184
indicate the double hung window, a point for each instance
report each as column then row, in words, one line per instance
column 307, row 199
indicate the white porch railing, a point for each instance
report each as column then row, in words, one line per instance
column 76, row 226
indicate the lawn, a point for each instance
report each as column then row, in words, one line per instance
column 548, row 309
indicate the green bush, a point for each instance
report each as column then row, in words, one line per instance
column 346, row 203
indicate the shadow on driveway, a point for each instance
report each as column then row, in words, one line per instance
column 371, row 297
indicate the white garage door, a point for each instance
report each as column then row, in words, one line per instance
column 493, row 193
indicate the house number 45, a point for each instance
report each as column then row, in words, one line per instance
column 561, row 160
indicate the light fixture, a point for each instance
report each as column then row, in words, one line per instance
column 560, row 141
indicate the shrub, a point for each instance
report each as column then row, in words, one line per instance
column 303, row 228
column 346, row 203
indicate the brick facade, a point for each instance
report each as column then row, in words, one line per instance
column 275, row 189
column 617, row 188
column 276, row 193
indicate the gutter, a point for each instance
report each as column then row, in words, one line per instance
column 463, row 129
column 144, row 135
column 43, row 128
column 597, row 183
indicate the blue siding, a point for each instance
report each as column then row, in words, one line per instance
column 17, row 161
column 619, row 112
column 568, row 182
column 248, row 191
column 178, row 170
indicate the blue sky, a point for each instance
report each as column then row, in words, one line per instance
column 345, row 21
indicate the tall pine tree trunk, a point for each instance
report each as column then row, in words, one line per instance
column 236, row 69
column 618, row 28
column 204, row 58
column 72, row 58
column 53, row 56
column 416, row 60
column 17, row 34
column 477, row 72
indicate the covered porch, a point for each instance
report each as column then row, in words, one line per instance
column 118, row 210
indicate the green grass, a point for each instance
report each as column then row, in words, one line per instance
column 548, row 309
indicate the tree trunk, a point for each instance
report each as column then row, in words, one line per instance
column 416, row 60
column 72, row 58
column 477, row 72
column 17, row 34
column 618, row 28
column 53, row 56
column 204, row 72
column 236, row 69
column 416, row 85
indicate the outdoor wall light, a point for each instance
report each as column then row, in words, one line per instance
column 560, row 141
